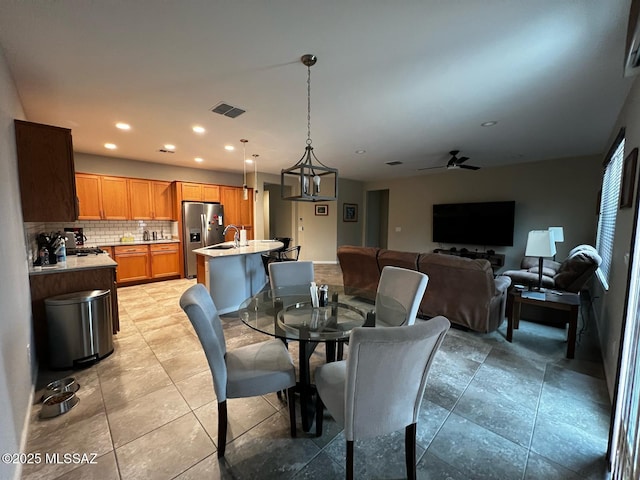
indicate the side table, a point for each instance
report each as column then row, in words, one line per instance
column 566, row 301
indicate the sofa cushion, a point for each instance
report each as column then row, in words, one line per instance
column 532, row 262
column 396, row 258
column 577, row 268
column 360, row 270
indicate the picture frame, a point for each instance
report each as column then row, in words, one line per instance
column 322, row 209
column 350, row 212
column 628, row 179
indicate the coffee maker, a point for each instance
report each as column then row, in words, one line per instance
column 79, row 234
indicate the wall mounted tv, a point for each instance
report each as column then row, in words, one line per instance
column 484, row 223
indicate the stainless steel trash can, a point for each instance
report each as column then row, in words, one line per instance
column 80, row 328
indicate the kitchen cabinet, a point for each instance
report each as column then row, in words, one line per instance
column 237, row 211
column 165, row 260
column 45, row 172
column 163, row 200
column 133, row 263
column 210, row 193
column 102, row 198
column 140, row 199
column 89, row 196
column 192, row 192
column 108, row 250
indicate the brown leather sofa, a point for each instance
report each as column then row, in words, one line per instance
column 461, row 289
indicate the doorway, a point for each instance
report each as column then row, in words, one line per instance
column 377, row 219
column 278, row 213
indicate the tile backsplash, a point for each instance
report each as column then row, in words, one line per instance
column 105, row 232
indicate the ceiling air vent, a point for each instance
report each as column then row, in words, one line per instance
column 395, row 162
column 164, row 150
column 227, row 110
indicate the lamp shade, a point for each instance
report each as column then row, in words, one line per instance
column 557, row 233
column 540, row 244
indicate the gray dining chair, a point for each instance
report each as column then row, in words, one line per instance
column 247, row 371
column 288, row 274
column 368, row 394
column 404, row 286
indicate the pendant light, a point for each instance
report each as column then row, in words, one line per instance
column 245, row 190
column 314, row 180
column 255, row 175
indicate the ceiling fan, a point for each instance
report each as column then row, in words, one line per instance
column 455, row 162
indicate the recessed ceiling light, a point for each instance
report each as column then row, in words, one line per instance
column 229, row 148
column 198, row 129
column 361, row 151
column 168, row 146
column 489, row 124
column 198, row 159
column 123, row 126
column 110, row 146
column 249, row 160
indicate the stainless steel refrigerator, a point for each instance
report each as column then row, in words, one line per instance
column 202, row 225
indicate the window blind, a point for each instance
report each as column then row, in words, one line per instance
column 608, row 209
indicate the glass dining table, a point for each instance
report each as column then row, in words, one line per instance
column 288, row 313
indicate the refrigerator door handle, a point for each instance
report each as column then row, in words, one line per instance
column 203, row 224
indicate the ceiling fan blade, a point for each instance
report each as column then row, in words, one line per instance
column 461, row 159
column 468, row 167
column 431, row 168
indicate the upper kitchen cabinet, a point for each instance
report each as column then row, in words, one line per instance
column 46, row 172
column 200, row 192
column 150, row 200
column 237, row 211
column 102, row 198
column 210, row 193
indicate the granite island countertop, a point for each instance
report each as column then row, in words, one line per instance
column 255, row 246
column 75, row 263
column 124, row 244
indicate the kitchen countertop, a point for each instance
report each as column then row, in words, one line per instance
column 136, row 242
column 255, row 246
column 75, row 263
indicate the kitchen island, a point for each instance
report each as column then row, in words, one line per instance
column 77, row 274
column 233, row 274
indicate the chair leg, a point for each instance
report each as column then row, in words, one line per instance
column 410, row 450
column 349, row 459
column 222, row 428
column 340, row 351
column 291, row 399
column 319, row 415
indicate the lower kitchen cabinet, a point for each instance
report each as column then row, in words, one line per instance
column 143, row 263
column 165, row 260
column 133, row 263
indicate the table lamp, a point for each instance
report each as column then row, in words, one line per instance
column 557, row 233
column 540, row 243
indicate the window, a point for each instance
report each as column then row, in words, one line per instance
column 609, row 207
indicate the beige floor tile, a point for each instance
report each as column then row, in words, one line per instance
column 165, row 334
column 198, row 389
column 243, row 414
column 132, row 384
column 146, row 413
column 102, row 468
column 151, row 324
column 176, row 347
column 186, row 365
column 146, row 311
column 122, row 361
column 154, row 456
column 208, row 468
column 86, row 436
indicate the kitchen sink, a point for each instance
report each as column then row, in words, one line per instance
column 220, row 247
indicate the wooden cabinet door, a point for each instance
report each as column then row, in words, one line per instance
column 211, row 193
column 140, row 199
column 115, row 198
column 133, row 263
column 162, row 200
column 108, row 250
column 89, row 196
column 246, row 209
column 192, row 192
column 230, row 200
column 165, row 260
column 46, row 173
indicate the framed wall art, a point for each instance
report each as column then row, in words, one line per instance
column 350, row 212
column 628, row 179
column 322, row 209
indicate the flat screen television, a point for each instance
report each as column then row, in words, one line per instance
column 484, row 223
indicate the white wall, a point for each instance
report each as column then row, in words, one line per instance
column 16, row 375
column 350, row 233
column 554, row 192
column 609, row 305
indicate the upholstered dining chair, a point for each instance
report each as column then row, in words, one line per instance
column 288, row 274
column 379, row 388
column 405, row 286
column 247, row 371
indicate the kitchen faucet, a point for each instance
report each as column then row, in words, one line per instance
column 236, row 236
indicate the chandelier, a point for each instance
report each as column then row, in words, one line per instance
column 314, row 180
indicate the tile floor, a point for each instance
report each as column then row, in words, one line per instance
column 492, row 410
